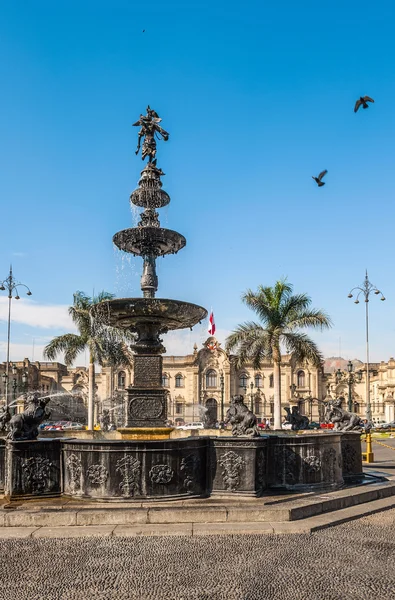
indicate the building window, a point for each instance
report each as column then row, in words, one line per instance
column 179, row 381
column 178, row 408
column 165, row 381
column 271, row 380
column 257, row 406
column 301, row 379
column 258, row 381
column 121, row 380
column 243, row 381
column 211, row 379
column 356, row 407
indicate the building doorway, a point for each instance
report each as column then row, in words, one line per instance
column 212, row 412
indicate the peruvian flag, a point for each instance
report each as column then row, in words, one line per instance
column 211, row 326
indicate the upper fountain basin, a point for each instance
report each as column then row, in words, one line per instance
column 133, row 313
column 149, row 240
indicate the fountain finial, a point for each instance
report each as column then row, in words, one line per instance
column 150, row 127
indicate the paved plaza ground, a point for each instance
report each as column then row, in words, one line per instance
column 354, row 560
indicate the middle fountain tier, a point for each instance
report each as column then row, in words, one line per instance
column 148, row 317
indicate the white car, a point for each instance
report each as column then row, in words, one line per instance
column 286, row 426
column 197, row 425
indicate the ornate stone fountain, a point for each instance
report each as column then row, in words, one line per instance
column 148, row 317
column 146, row 464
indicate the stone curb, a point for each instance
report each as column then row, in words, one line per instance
column 194, row 529
column 225, row 512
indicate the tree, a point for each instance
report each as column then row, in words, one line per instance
column 282, row 314
column 105, row 344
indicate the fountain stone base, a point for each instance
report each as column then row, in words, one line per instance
column 145, row 433
column 146, row 407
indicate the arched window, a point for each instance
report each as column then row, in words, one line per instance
column 271, row 380
column 301, row 379
column 179, row 381
column 356, row 407
column 165, row 380
column 258, row 381
column 243, row 381
column 211, row 379
column 121, row 380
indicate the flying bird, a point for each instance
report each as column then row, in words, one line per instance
column 362, row 100
column 320, row 176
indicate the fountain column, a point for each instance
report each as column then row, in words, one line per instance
column 148, row 317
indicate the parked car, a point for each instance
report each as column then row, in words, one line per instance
column 314, row 425
column 384, row 426
column 53, row 427
column 72, row 425
column 187, row 426
column 286, row 425
column 327, row 426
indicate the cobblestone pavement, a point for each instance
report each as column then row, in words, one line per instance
column 354, row 560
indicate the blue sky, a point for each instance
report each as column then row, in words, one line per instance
column 257, row 97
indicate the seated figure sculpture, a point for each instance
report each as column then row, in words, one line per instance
column 5, row 417
column 243, row 421
column 105, row 420
column 343, row 420
column 298, row 421
column 24, row 426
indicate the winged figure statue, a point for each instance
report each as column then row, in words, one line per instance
column 150, row 130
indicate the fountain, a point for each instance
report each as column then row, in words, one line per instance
column 148, row 317
column 147, row 463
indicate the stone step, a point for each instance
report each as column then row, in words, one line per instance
column 305, row 526
column 283, row 509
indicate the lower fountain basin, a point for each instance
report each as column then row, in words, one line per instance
column 133, row 313
column 163, row 469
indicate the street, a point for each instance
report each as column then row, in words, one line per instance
column 354, row 560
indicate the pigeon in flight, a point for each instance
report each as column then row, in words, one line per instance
column 362, row 100
column 320, row 176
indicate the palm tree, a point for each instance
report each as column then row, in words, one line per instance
column 106, row 345
column 282, row 315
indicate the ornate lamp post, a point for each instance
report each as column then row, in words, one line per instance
column 11, row 285
column 365, row 289
column 351, row 378
column 252, row 396
column 222, row 386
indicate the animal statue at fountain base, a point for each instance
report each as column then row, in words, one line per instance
column 24, row 426
column 343, row 420
column 105, row 420
column 298, row 421
column 5, row 417
column 243, row 421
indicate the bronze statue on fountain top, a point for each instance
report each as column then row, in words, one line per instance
column 150, row 128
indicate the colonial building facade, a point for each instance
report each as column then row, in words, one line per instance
column 205, row 380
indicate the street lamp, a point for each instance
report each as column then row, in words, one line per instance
column 350, row 377
column 11, row 285
column 24, row 381
column 252, row 396
column 365, row 289
column 222, row 385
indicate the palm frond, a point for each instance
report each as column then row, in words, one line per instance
column 314, row 318
column 70, row 344
column 302, row 347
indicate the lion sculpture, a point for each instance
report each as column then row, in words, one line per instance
column 24, row 426
column 343, row 420
column 243, row 421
